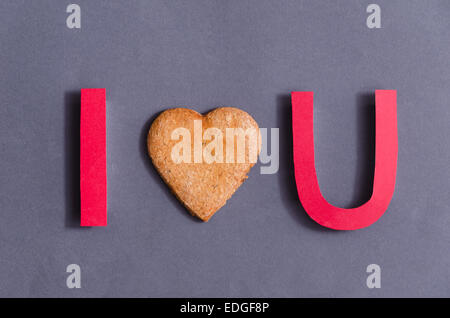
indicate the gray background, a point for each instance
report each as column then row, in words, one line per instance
column 151, row 55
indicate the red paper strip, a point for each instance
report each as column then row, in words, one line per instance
column 386, row 148
column 93, row 157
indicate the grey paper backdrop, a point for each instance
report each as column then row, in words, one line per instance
column 151, row 55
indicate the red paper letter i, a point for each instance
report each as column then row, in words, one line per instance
column 93, row 157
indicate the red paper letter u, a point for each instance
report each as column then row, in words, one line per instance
column 386, row 149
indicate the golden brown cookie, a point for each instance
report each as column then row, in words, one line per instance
column 204, row 181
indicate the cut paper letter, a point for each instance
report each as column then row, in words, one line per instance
column 386, row 149
column 93, row 157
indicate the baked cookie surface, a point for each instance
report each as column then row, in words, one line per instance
column 203, row 187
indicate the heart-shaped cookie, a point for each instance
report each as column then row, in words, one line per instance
column 204, row 159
